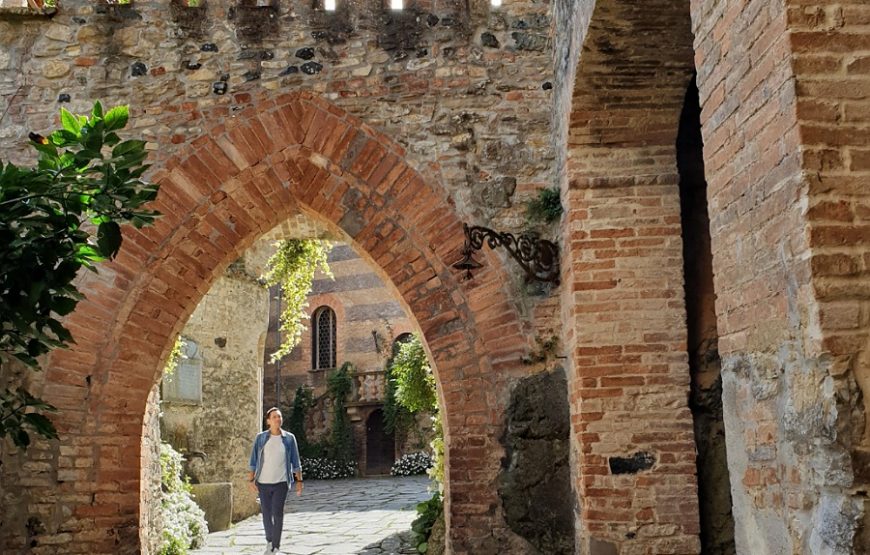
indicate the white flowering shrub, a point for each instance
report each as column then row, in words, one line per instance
column 412, row 464
column 321, row 468
column 184, row 525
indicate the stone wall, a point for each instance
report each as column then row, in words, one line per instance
column 215, row 435
column 394, row 128
column 150, row 519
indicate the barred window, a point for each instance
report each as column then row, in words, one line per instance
column 323, row 340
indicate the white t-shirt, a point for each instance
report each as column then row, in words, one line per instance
column 274, row 461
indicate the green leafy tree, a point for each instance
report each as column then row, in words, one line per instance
column 55, row 219
column 412, row 375
column 293, row 267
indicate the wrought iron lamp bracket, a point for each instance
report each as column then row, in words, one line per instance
column 538, row 257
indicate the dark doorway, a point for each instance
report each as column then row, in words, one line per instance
column 380, row 446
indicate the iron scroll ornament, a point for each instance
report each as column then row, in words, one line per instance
column 538, row 257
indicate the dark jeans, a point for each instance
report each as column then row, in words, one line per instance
column 272, row 498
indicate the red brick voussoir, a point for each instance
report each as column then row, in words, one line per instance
column 231, row 185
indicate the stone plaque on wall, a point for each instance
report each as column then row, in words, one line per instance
column 185, row 384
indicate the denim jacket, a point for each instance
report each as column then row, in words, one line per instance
column 290, row 449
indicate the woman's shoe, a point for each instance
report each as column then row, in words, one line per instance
column 269, row 549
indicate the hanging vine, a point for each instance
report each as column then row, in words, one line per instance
column 293, row 267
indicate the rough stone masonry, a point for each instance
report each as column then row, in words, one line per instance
column 394, row 127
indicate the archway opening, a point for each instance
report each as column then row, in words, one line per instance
column 232, row 185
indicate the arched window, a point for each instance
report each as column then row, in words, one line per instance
column 323, row 339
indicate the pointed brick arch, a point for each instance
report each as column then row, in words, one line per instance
column 232, row 185
column 629, row 378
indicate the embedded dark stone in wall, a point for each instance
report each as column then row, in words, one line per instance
column 535, row 481
column 220, row 342
column 209, row 47
column 311, row 68
column 138, row 69
column 531, row 22
column 632, row 464
column 192, row 66
column 256, row 54
column 251, row 75
column 489, row 40
column 529, row 42
column 547, row 86
column 305, row 53
column 219, row 87
column 290, row 71
column 63, row 97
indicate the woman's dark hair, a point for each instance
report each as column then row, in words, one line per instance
column 270, row 411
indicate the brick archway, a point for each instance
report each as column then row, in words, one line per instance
column 632, row 438
column 232, row 185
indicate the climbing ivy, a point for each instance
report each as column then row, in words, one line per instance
column 63, row 215
column 339, row 385
column 397, row 418
column 302, row 401
column 293, row 267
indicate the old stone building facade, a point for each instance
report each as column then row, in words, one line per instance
column 392, row 128
column 352, row 317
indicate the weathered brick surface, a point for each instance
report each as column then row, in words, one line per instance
column 830, row 45
column 138, row 321
column 622, row 297
column 776, row 91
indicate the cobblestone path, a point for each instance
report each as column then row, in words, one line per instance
column 369, row 516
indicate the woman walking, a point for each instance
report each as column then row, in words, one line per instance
column 274, row 464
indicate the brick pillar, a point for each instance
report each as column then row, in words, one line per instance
column 623, row 284
column 784, row 121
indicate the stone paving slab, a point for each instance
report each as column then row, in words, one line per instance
column 365, row 516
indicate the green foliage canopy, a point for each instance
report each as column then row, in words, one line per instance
column 293, row 267
column 412, row 374
column 56, row 218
